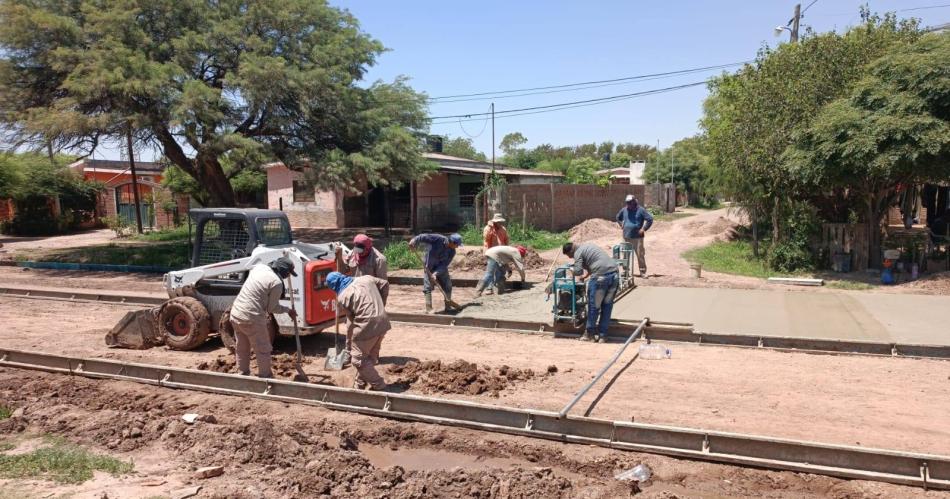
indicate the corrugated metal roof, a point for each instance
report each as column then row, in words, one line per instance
column 114, row 166
column 456, row 164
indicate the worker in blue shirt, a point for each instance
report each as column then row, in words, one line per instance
column 635, row 222
column 439, row 253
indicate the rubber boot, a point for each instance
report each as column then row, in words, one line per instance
column 428, row 303
column 500, row 287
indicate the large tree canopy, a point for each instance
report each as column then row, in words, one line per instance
column 201, row 79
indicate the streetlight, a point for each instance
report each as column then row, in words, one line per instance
column 779, row 29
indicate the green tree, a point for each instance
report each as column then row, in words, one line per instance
column 892, row 129
column 512, row 142
column 462, row 147
column 636, row 151
column 35, row 180
column 691, row 168
column 584, row 171
column 752, row 117
column 620, row 159
column 264, row 79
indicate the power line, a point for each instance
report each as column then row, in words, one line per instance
column 611, row 84
column 809, row 6
column 925, row 7
column 558, row 107
column 567, row 85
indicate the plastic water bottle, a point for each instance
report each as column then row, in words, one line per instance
column 641, row 473
column 654, row 351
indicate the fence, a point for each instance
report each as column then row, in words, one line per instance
column 558, row 207
column 846, row 239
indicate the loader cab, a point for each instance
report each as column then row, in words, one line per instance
column 223, row 234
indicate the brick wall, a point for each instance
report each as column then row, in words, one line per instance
column 559, row 207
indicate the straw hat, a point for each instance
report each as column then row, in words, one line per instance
column 497, row 218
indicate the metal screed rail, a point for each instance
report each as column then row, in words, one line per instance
column 929, row 471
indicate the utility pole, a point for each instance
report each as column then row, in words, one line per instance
column 493, row 137
column 795, row 21
column 672, row 150
column 135, row 182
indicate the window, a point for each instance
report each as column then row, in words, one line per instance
column 467, row 193
column 223, row 239
column 303, row 192
column 273, row 231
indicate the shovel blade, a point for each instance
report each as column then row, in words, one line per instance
column 335, row 359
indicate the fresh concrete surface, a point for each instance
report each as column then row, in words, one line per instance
column 805, row 314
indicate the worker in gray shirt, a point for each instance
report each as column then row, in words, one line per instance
column 600, row 271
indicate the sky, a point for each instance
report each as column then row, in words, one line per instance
column 451, row 48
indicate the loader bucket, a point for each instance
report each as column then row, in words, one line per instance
column 137, row 330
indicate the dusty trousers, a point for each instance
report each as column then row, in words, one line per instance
column 252, row 336
column 364, row 359
column 639, row 250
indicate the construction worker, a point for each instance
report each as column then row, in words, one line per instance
column 364, row 259
column 500, row 259
column 259, row 296
column 495, row 233
column 635, row 221
column 440, row 252
column 363, row 300
column 600, row 271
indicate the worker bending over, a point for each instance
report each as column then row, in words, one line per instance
column 439, row 254
column 259, row 297
column 500, row 260
column 364, row 259
column 363, row 300
column 600, row 271
column 635, row 221
column 495, row 233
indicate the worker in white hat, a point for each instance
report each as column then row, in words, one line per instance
column 635, row 221
column 495, row 233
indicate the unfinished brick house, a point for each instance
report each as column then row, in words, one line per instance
column 444, row 200
column 158, row 206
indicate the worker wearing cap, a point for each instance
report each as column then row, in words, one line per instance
column 440, row 252
column 364, row 259
column 500, row 260
column 363, row 300
column 495, row 233
column 635, row 221
column 258, row 299
column 600, row 271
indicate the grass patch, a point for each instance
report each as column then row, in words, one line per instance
column 5, row 446
column 849, row 285
column 733, row 257
column 399, row 256
column 179, row 233
column 5, row 412
column 61, row 462
column 519, row 233
column 174, row 255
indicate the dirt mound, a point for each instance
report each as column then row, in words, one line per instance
column 457, row 377
column 282, row 365
column 593, row 228
column 721, row 226
column 475, row 260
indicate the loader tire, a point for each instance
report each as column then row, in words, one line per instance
column 226, row 330
column 184, row 323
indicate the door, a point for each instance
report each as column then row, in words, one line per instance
column 125, row 205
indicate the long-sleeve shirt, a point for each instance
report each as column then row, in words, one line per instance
column 633, row 221
column 439, row 255
column 364, row 302
column 591, row 258
column 259, row 296
column 506, row 255
column 495, row 235
column 374, row 265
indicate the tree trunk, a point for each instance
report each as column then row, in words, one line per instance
column 755, row 234
column 874, row 232
column 775, row 222
column 213, row 179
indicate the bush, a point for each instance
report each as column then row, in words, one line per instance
column 789, row 257
column 119, row 226
column 399, row 256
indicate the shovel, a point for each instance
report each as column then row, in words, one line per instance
column 438, row 286
column 300, row 376
column 336, row 357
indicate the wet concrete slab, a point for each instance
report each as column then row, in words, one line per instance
column 827, row 315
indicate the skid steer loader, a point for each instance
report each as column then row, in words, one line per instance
column 228, row 243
